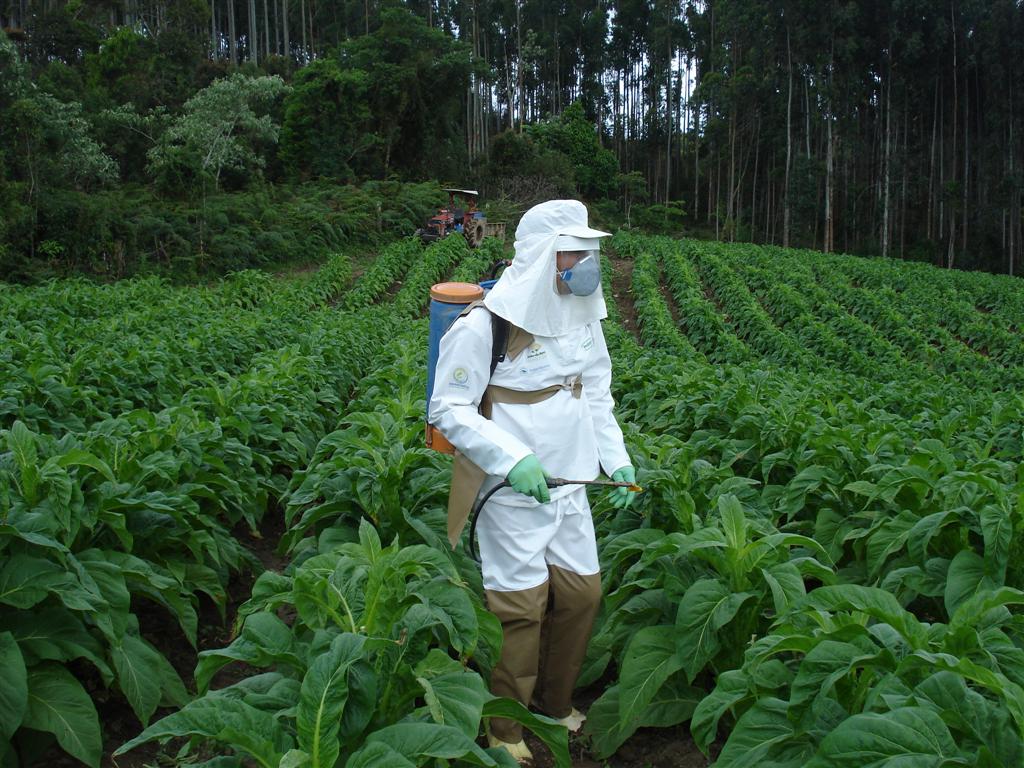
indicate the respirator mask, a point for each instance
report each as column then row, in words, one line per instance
column 584, row 277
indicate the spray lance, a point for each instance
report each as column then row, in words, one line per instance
column 552, row 482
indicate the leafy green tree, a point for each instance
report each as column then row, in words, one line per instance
column 144, row 70
column 574, row 136
column 327, row 122
column 420, row 76
column 524, row 173
column 221, row 130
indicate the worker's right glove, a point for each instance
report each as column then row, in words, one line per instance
column 528, row 477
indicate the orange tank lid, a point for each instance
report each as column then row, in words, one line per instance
column 456, row 293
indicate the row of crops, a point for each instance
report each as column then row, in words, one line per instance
column 824, row 568
column 827, row 569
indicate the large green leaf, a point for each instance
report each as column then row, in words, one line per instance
column 997, row 530
column 415, row 741
column 734, row 521
column 454, row 695
column 649, row 660
column 948, row 695
column 910, row 737
column 57, row 634
column 967, row 576
column 554, row 735
column 265, row 640
column 876, row 603
column 139, row 674
column 22, row 445
column 14, row 691
column 377, row 754
column 231, row 723
column 787, row 585
column 453, row 608
column 58, row 704
column 730, row 689
column 322, row 700
column 26, row 580
column 759, row 734
column 672, row 703
column 707, row 606
column 970, row 612
column 826, row 664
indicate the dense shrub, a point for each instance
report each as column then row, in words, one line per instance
column 129, row 230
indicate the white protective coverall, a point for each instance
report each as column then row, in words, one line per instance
column 539, row 561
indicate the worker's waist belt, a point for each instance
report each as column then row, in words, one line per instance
column 467, row 477
column 505, row 396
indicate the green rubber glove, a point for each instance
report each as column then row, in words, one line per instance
column 623, row 497
column 528, row 477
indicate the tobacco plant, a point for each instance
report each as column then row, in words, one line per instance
column 850, row 678
column 380, row 666
column 681, row 606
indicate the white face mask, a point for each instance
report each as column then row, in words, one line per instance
column 583, row 278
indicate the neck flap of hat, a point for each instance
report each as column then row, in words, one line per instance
column 526, row 295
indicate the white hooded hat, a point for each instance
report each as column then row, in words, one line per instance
column 525, row 295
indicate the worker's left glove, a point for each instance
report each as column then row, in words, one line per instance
column 623, row 497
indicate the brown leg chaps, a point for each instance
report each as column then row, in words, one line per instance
column 546, row 630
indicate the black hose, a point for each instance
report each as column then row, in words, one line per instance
column 552, row 482
column 475, row 515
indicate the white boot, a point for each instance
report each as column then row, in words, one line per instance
column 519, row 750
column 573, row 721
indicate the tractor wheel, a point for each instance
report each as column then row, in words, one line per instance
column 475, row 234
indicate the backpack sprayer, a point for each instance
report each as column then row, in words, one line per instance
column 447, row 301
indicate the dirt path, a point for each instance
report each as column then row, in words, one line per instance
column 622, row 278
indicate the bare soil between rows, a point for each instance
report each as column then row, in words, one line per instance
column 647, row 748
column 622, row 278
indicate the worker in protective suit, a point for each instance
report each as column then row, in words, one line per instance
column 546, row 411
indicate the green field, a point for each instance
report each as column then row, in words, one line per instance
column 824, row 569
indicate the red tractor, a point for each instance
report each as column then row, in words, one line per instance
column 461, row 216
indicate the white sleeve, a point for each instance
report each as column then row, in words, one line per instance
column 462, row 374
column 597, row 380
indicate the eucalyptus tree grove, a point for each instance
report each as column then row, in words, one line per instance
column 882, row 126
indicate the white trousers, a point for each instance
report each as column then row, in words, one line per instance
column 518, row 543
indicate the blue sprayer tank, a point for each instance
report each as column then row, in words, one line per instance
column 447, row 300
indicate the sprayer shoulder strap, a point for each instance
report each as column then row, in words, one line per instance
column 507, row 340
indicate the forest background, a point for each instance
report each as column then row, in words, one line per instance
column 189, row 137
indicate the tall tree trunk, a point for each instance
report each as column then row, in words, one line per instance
column 520, row 81
column 828, row 247
column 789, row 143
column 931, row 166
column 232, row 32
column 214, row 47
column 277, row 29
column 668, row 120
column 967, row 157
column 266, row 29
column 887, row 166
column 253, row 38
column 753, row 193
column 284, row 26
column 951, row 247
column 903, row 192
